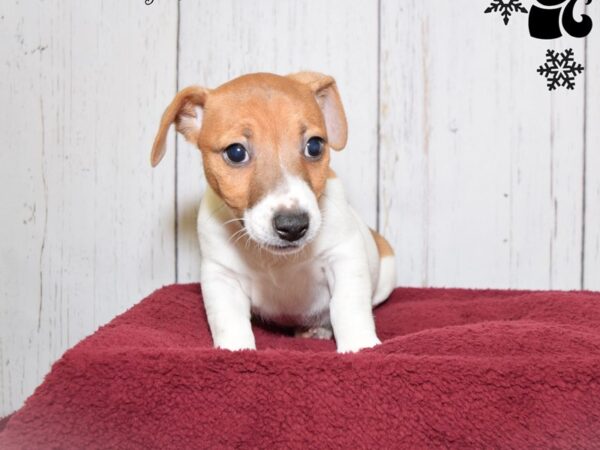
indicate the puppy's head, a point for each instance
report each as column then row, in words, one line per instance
column 265, row 142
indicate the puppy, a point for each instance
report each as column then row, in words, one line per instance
column 277, row 237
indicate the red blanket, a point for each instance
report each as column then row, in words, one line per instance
column 458, row 368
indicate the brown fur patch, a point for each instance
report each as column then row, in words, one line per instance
column 383, row 246
column 180, row 111
column 272, row 117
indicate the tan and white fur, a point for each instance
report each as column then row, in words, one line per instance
column 335, row 269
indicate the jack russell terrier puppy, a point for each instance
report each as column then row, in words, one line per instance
column 277, row 237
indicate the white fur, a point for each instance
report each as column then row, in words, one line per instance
column 335, row 278
column 293, row 193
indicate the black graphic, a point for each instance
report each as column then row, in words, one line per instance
column 545, row 21
column 506, row 7
column 560, row 69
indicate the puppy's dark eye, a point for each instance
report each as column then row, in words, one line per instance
column 236, row 154
column 314, row 148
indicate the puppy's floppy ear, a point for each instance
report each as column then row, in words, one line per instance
column 328, row 98
column 186, row 111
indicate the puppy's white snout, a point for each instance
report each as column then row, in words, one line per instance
column 290, row 225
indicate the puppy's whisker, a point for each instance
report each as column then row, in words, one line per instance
column 242, row 230
column 233, row 220
column 238, row 235
column 241, row 236
column 247, row 243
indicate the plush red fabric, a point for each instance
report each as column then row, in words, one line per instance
column 458, row 368
column 3, row 422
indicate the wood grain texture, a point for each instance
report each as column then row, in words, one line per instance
column 225, row 39
column 591, row 269
column 87, row 227
column 481, row 166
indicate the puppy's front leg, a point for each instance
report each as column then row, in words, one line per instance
column 227, row 309
column 351, row 307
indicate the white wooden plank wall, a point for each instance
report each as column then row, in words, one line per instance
column 87, row 227
column 478, row 175
column 591, row 273
column 481, row 181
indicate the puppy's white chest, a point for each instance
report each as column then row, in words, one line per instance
column 291, row 295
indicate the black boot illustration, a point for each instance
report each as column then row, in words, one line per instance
column 545, row 21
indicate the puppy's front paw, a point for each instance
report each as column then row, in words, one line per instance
column 235, row 343
column 235, row 348
column 355, row 344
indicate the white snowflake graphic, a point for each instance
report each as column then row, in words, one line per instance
column 560, row 69
column 506, row 8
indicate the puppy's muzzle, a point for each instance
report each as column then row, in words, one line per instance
column 290, row 225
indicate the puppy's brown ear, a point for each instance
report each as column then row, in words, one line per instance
column 186, row 111
column 328, row 98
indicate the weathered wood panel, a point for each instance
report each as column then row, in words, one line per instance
column 225, row 39
column 87, row 227
column 481, row 165
column 591, row 274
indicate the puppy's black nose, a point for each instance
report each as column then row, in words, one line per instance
column 290, row 225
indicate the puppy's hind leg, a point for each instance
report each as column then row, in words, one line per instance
column 386, row 281
column 315, row 333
